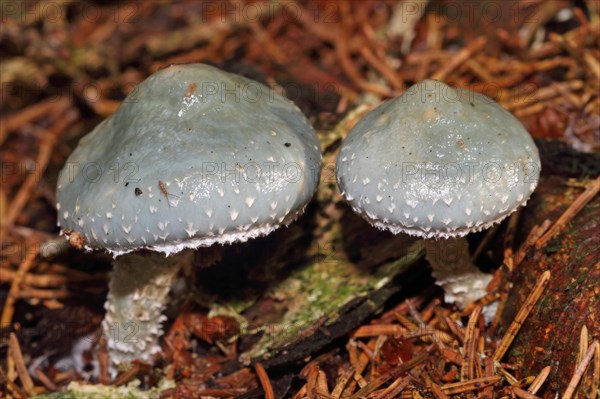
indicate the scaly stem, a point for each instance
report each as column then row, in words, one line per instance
column 138, row 289
column 455, row 271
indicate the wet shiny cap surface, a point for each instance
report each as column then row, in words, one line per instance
column 193, row 156
column 437, row 162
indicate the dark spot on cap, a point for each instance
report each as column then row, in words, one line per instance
column 126, row 184
column 287, row 144
column 138, row 192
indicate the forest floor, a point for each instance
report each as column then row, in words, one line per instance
column 375, row 325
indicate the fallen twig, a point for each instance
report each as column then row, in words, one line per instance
column 13, row 293
column 15, row 353
column 534, row 235
column 459, row 58
column 580, row 370
column 47, row 144
column 571, row 211
column 264, row 381
column 519, row 319
column 377, row 382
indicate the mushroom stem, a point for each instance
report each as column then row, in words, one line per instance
column 455, row 272
column 138, row 289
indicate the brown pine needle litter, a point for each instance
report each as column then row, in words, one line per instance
column 331, row 58
column 15, row 288
column 414, row 363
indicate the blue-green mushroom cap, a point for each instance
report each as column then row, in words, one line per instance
column 193, row 156
column 437, row 162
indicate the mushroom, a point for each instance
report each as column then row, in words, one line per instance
column 193, row 157
column 439, row 163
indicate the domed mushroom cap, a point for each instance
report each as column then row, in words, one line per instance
column 193, row 156
column 437, row 162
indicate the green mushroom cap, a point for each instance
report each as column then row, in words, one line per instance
column 437, row 162
column 193, row 156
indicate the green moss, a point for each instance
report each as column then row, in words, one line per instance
column 129, row 391
column 320, row 290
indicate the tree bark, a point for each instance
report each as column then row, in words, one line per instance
column 550, row 335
